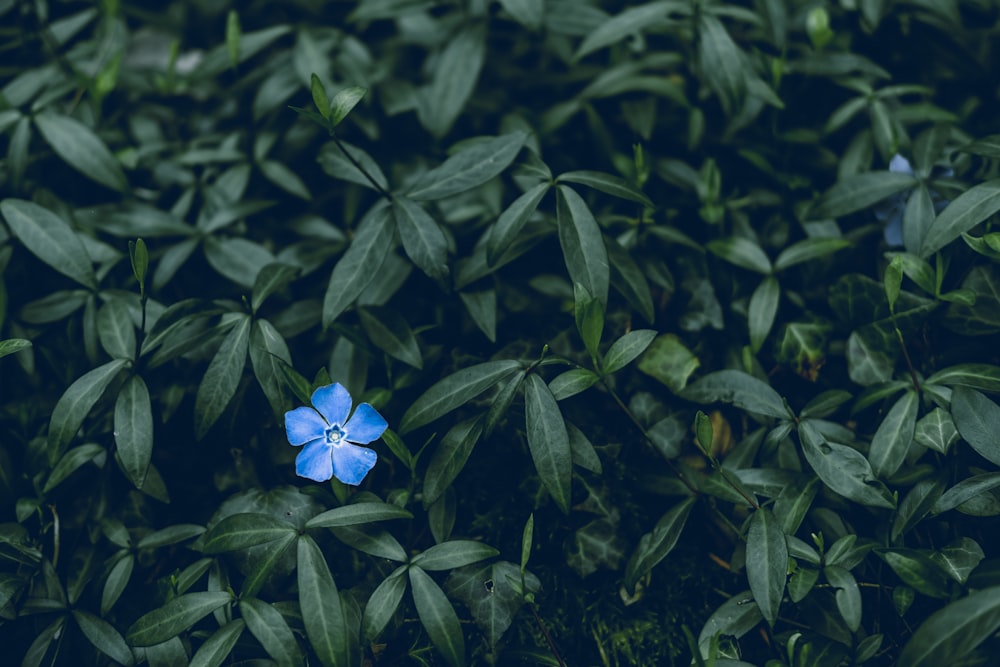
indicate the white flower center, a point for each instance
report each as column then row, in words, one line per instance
column 335, row 435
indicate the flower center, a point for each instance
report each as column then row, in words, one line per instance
column 335, row 435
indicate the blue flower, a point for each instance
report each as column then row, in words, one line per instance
column 890, row 211
column 331, row 439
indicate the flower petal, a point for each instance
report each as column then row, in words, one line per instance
column 314, row 461
column 900, row 165
column 351, row 463
column 333, row 402
column 303, row 424
column 366, row 425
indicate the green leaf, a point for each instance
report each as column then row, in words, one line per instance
column 482, row 308
column 959, row 558
column 319, row 97
column 978, row 420
column 657, row 544
column 761, row 311
column 216, row 648
column 222, row 377
column 868, row 362
column 468, row 168
column 548, row 440
column 893, row 280
column 589, row 316
column 322, row 613
column 83, row 150
column 12, row 346
column 741, row 252
column 454, row 391
column 670, row 361
column 966, row 490
column 629, row 280
column 512, row 221
column 735, row 617
column 175, row 617
column 134, row 429
column 390, row 332
column 766, row 562
column 917, row 570
column 423, row 240
column 918, row 216
column 584, row 454
column 361, row 262
column 892, row 440
column 378, row 543
column 343, row 103
column 115, row 329
column 103, row 636
column 502, row 402
column 582, row 244
column 335, row 163
column 722, row 63
column 246, row 529
column 453, row 554
column 454, row 79
column 450, row 457
column 383, row 603
column 977, row 376
column 233, row 33
column 76, row 403
column 269, row 280
column 493, row 594
column 70, row 462
column 114, row 585
column 438, row 617
column 627, row 348
column 238, row 259
column 967, row 210
column 843, row 469
column 528, row 13
column 741, row 389
column 936, row 430
column 358, row 513
column 918, row 502
column 808, row 250
column 858, row 192
column 170, row 535
column 629, row 22
column 50, row 239
column 848, row 595
column 794, row 501
column 572, row 382
column 608, row 184
column 268, row 626
column 268, row 351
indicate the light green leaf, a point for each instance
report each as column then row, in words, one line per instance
column 627, row 348
column 268, row 626
column 977, row 376
column 361, row 262
column 766, row 562
column 572, row 382
column 12, row 346
column 50, row 239
column 892, row 440
column 961, row 215
column 978, row 420
column 740, row 389
column 469, row 168
column 83, row 150
column 134, row 429
column 358, row 513
column 222, row 377
column 438, row 617
column 243, row 530
column 217, row 648
column 319, row 96
column 741, row 252
column 761, row 310
column 115, row 329
column 322, row 613
column 175, row 617
column 343, row 102
column 936, row 430
column 582, row 244
column 423, row 240
column 858, row 192
column 548, row 440
column 77, row 401
column 454, row 391
column 103, row 636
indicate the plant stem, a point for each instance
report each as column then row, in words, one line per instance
column 357, row 165
column 548, row 637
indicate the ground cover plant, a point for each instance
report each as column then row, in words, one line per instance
column 447, row 332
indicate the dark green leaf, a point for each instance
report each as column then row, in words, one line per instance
column 361, row 262
column 343, row 102
column 493, row 594
column 482, row 308
column 628, row 22
column 450, row 457
column 548, row 440
column 582, row 244
column 936, row 430
column 175, row 617
column 469, row 168
column 83, row 150
column 977, row 376
column 589, row 315
column 70, row 462
column 50, row 238
column 766, row 562
column 268, row 626
column 115, row 329
column 978, row 420
column 572, row 382
column 322, row 613
column 455, row 77
column 247, row 529
column 216, row 648
column 134, row 429
column 627, row 348
column 376, row 542
column 742, row 390
column 103, row 636
column 76, row 402
column 423, row 240
column 511, row 221
column 114, row 585
column 13, row 345
column 965, row 490
column 222, row 378
column 383, row 603
column 268, row 351
column 965, row 212
column 269, row 280
column 741, row 252
column 807, row 250
column 843, row 469
column 387, row 329
column 735, row 617
column 629, row 280
column 917, row 570
column 438, row 617
column 335, row 163
column 892, row 440
column 761, row 310
column 454, row 391
column 453, row 554
column 670, row 361
column 959, row 558
column 358, row 513
column 657, row 544
column 858, row 192
column 607, row 183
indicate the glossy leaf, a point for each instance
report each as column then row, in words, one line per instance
column 246, row 529
column 319, row 601
column 115, row 330
column 218, row 386
column 454, row 391
column 843, row 469
column 741, row 252
column 608, row 184
column 848, row 595
column 967, row 210
column 761, row 311
column 217, row 647
column 438, row 617
column 103, row 636
column 627, row 348
column 740, row 389
column 175, row 617
column 453, row 554
column 450, row 458
column 582, row 244
column 548, row 440
column 134, row 429
column 358, row 513
column 71, row 462
column 512, row 221
column 455, row 77
column 383, row 603
column 766, row 562
column 892, row 440
column 978, row 421
column 268, row 626
column 77, row 401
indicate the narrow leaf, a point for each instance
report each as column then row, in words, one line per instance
column 892, row 440
column 83, row 150
column 548, row 440
column 582, row 244
column 438, row 617
column 423, row 240
column 468, row 168
column 175, row 617
column 767, row 562
column 454, row 391
column 134, row 429
column 50, row 239
column 361, row 262
column 222, row 378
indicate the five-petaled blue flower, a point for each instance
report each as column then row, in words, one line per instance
column 331, row 439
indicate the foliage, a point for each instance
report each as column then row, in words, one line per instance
column 682, row 315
